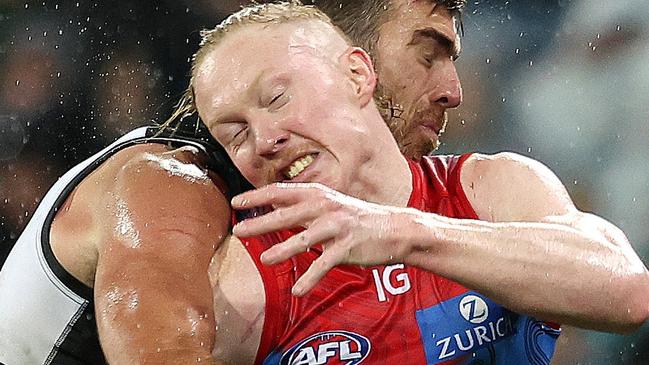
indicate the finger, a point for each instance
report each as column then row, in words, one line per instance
column 301, row 242
column 318, row 269
column 275, row 194
column 299, row 215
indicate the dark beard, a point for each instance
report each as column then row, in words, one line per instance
column 412, row 144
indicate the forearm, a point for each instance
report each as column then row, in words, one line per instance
column 551, row 271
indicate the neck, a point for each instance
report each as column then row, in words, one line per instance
column 386, row 177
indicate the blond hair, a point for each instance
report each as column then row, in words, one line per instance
column 270, row 13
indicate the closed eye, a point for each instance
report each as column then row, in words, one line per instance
column 427, row 59
column 279, row 100
column 433, row 43
column 239, row 134
column 275, row 99
column 238, row 139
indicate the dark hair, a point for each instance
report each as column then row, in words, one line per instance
column 361, row 20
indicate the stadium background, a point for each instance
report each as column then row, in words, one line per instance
column 565, row 82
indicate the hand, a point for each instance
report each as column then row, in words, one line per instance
column 351, row 231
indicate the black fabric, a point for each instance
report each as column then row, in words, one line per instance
column 81, row 345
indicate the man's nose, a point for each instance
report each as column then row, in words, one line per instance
column 448, row 90
column 270, row 139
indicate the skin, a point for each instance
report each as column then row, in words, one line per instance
column 416, row 51
column 264, row 122
column 263, row 137
column 272, row 139
column 146, row 262
column 536, row 237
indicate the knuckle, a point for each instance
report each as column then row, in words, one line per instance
column 323, row 263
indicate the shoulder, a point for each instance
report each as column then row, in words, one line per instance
column 509, row 186
column 153, row 183
column 90, row 209
column 514, row 163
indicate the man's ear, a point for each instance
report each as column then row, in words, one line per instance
column 361, row 73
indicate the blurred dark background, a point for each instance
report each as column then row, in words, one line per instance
column 565, row 82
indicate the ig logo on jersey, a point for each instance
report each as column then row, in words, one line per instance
column 331, row 347
column 474, row 309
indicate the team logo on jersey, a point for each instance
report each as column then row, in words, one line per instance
column 462, row 325
column 330, row 347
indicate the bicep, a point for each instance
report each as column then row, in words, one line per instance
column 507, row 187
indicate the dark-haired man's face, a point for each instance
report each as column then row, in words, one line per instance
column 415, row 52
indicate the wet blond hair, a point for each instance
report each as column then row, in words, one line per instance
column 269, row 13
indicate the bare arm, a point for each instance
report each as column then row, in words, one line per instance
column 535, row 252
column 162, row 218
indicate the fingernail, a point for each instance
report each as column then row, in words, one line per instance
column 264, row 258
column 297, row 290
column 267, row 258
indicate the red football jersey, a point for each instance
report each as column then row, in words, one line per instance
column 395, row 313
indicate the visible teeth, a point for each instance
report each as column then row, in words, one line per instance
column 298, row 166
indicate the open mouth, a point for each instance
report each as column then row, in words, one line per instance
column 298, row 166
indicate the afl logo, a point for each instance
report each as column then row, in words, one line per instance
column 474, row 309
column 330, row 347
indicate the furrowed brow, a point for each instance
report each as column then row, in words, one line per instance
column 450, row 45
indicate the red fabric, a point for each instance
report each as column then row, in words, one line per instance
column 347, row 297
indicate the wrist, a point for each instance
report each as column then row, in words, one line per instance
column 423, row 237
